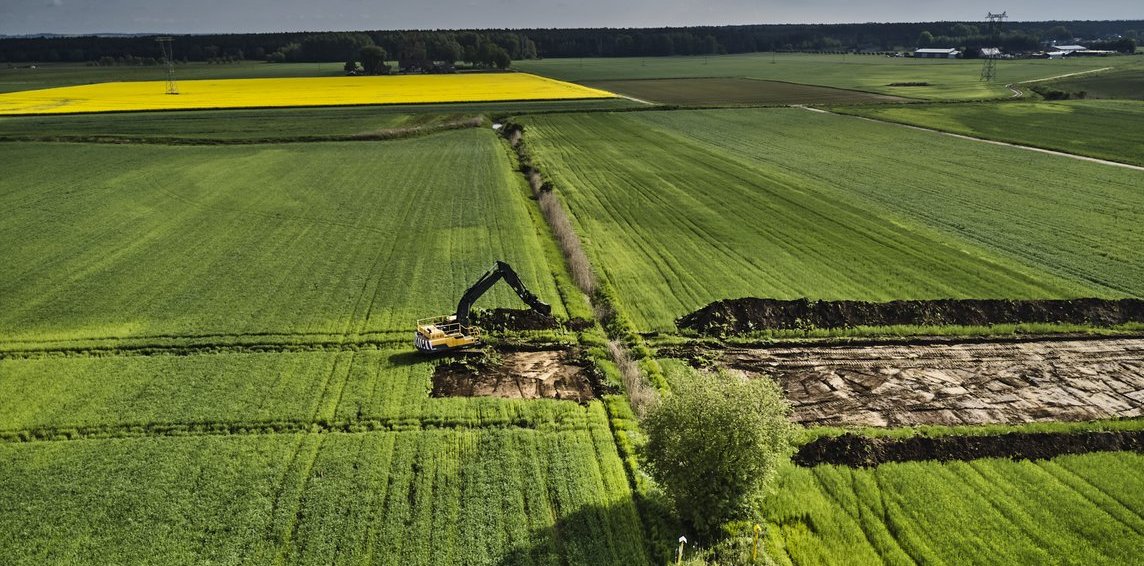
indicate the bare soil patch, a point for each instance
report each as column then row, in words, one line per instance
column 861, row 451
column 740, row 316
column 954, row 383
column 544, row 374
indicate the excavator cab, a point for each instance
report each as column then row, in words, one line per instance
column 452, row 331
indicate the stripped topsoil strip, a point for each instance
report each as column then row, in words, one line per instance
column 862, row 451
column 541, row 374
column 741, row 316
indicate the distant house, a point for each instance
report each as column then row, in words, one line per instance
column 990, row 52
column 1069, row 48
column 935, row 53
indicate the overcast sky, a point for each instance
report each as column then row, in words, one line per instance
column 235, row 16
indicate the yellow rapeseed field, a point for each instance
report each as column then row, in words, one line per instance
column 317, row 91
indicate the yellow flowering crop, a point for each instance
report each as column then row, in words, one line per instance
column 317, row 91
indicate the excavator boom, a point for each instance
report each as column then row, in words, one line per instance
column 444, row 333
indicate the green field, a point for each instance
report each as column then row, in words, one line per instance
column 1069, row 510
column 735, row 92
column 1105, row 129
column 947, row 79
column 339, row 239
column 205, row 319
column 683, row 208
column 497, row 496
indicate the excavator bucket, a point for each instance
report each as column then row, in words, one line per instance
column 452, row 332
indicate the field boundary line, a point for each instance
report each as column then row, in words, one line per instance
column 578, row 421
column 988, row 141
column 1066, row 75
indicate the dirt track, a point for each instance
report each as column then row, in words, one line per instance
column 978, row 383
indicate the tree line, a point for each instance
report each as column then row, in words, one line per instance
column 428, row 50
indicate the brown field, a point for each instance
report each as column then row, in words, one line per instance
column 735, row 92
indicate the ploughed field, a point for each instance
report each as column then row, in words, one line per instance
column 679, row 209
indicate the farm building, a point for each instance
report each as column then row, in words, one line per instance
column 937, row 53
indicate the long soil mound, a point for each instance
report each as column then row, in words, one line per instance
column 741, row 316
column 860, row 451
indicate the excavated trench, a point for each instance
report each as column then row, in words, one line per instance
column 541, row 374
column 953, row 383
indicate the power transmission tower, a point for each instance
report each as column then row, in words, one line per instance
column 169, row 57
column 990, row 54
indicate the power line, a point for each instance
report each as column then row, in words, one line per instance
column 169, row 56
column 990, row 54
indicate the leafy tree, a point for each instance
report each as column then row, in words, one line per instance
column 925, row 39
column 715, row 444
column 373, row 60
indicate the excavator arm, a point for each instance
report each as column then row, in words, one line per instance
column 444, row 333
column 500, row 270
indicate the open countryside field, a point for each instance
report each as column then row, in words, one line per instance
column 266, row 93
column 735, row 92
column 337, row 239
column 683, row 208
column 1122, row 82
column 205, row 322
column 64, row 74
column 1069, row 510
column 495, row 496
column 947, row 79
column 1105, row 129
column 277, row 124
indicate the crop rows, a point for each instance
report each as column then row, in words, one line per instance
column 1082, row 509
column 679, row 209
column 1105, row 129
column 374, row 388
column 940, row 79
column 338, row 238
column 427, row 497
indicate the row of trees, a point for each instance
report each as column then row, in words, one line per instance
column 484, row 47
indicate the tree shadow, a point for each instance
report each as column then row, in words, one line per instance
column 608, row 534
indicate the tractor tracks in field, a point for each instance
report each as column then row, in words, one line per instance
column 984, row 140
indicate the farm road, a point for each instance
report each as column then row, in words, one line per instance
column 983, row 140
column 955, row 383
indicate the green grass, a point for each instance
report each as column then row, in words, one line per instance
column 734, row 92
column 1105, row 129
column 679, row 209
column 428, row 497
column 109, row 395
column 948, row 79
column 1083, row 509
column 341, row 239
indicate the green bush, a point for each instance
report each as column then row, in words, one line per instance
column 714, row 446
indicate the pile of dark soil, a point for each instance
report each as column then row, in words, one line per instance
column 513, row 319
column 738, row 316
column 860, row 451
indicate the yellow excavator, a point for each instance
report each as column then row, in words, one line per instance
column 452, row 331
